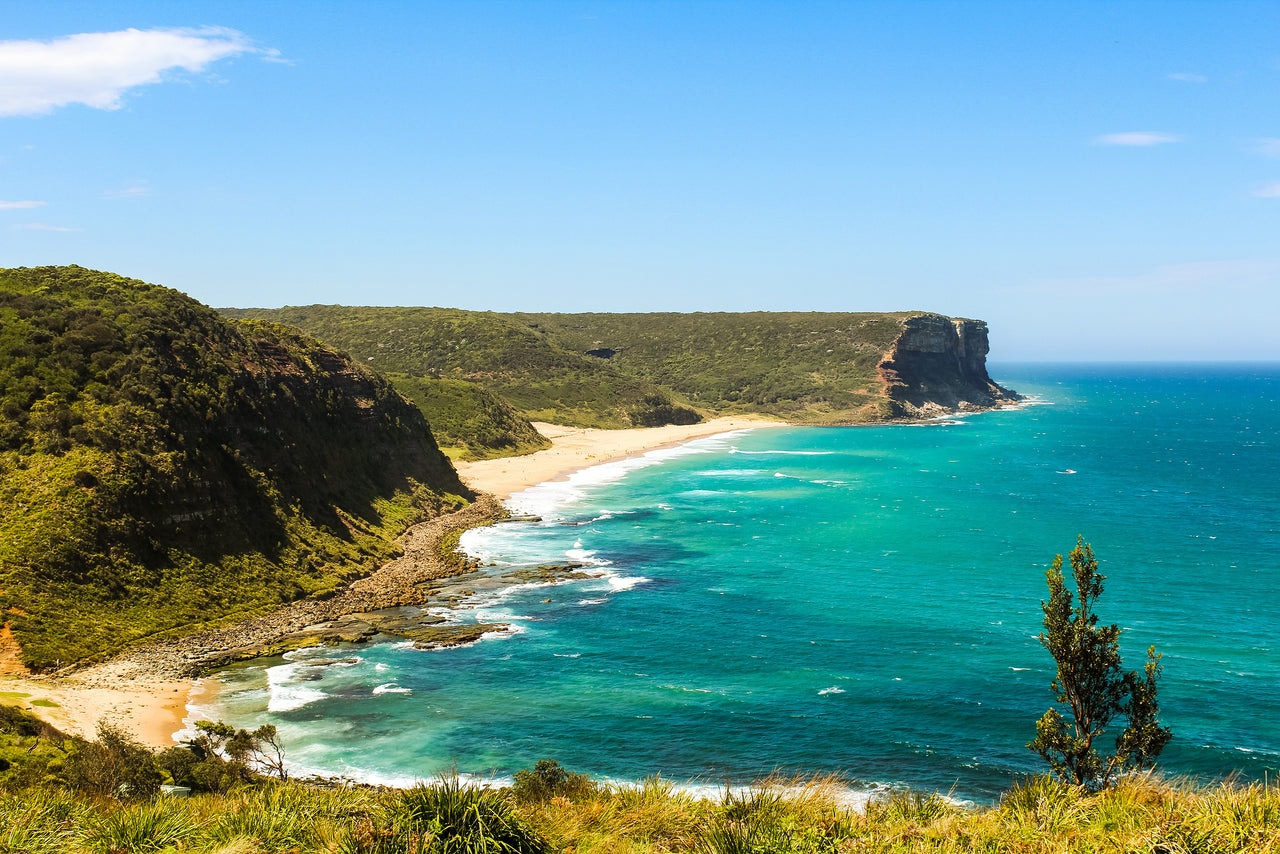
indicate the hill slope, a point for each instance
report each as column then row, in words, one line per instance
column 616, row 370
column 534, row 373
column 162, row 467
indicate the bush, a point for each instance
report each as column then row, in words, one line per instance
column 114, row 766
column 548, row 780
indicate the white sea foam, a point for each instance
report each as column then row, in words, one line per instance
column 781, row 453
column 286, row 698
column 550, row 499
column 592, row 601
column 392, row 688
column 620, row 583
column 832, row 690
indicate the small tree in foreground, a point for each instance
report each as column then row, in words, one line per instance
column 1092, row 685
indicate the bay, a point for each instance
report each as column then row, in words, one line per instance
column 856, row 600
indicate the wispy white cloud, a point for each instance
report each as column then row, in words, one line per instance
column 137, row 191
column 1268, row 191
column 97, row 69
column 1270, row 147
column 21, row 206
column 1188, row 77
column 1190, row 276
column 42, row 226
column 1137, row 138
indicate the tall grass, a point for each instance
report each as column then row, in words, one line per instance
column 41, row 821
column 777, row 816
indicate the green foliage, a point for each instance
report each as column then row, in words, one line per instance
column 447, row 818
column 817, row 367
column 162, row 468
column 1092, row 685
column 31, row 750
column 803, row 366
column 259, row 751
column 143, row 826
column 115, row 765
column 1037, row 816
column 655, row 410
column 465, row 416
column 41, row 821
column 548, row 779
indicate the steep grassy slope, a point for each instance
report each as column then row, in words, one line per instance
column 162, row 467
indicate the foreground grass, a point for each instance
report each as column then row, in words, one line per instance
column 804, row 817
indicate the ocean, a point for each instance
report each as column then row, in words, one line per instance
column 863, row 601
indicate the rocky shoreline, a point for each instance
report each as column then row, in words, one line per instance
column 365, row 607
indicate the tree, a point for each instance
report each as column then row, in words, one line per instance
column 1092, row 685
column 260, row 750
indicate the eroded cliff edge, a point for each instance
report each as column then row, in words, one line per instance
column 938, row 365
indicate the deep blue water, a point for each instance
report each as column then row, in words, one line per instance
column 860, row 600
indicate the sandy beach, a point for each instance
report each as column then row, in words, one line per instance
column 152, row 706
column 151, row 710
column 575, row 448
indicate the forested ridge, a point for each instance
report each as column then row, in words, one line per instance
column 162, row 467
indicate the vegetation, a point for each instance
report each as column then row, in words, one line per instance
column 552, row 810
column 615, row 370
column 541, row 379
column 1092, row 685
column 468, row 422
column 162, row 467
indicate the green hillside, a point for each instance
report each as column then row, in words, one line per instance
column 162, row 467
column 468, row 421
column 616, row 370
column 803, row 366
column 539, row 377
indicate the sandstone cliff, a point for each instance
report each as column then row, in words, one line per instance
column 938, row 365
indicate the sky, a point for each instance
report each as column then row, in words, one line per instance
column 1096, row 180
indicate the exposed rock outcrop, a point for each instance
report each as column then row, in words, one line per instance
column 938, row 365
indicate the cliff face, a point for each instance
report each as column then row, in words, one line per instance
column 939, row 365
column 162, row 467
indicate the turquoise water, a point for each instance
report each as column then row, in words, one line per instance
column 860, row 600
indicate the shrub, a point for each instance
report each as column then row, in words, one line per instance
column 547, row 780
column 468, row 820
column 115, row 765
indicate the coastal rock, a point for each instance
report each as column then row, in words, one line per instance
column 449, row 636
column 550, row 572
column 938, row 366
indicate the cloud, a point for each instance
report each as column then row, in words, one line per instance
column 1190, row 276
column 1268, row 191
column 137, row 191
column 1187, row 77
column 43, row 226
column 1137, row 138
column 1270, row 147
column 20, row 206
column 97, row 69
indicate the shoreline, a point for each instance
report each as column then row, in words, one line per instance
column 577, row 448
column 148, row 691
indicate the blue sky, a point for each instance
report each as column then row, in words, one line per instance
column 1096, row 180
